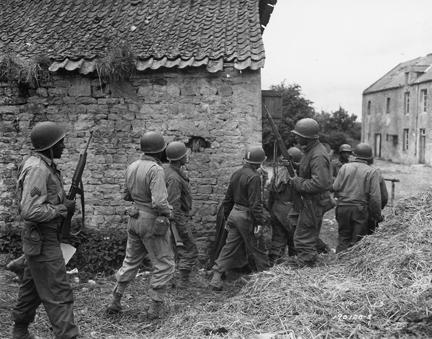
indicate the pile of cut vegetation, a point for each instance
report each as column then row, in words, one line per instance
column 379, row 288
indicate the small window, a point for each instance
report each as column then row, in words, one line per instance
column 406, row 78
column 405, row 139
column 406, row 102
column 388, row 106
column 369, row 107
column 423, row 100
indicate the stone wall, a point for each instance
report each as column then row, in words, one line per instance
column 215, row 114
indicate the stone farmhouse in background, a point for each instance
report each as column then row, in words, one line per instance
column 397, row 111
column 187, row 68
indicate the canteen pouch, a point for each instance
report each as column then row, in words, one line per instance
column 161, row 226
column 31, row 240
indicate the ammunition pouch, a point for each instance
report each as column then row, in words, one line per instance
column 326, row 202
column 31, row 239
column 161, row 226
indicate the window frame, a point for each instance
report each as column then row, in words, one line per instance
column 405, row 139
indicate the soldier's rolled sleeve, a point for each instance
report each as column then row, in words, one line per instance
column 174, row 196
column 320, row 175
column 254, row 197
column 34, row 202
column 159, row 192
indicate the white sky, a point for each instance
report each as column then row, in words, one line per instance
column 334, row 49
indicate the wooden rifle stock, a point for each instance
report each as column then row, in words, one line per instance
column 76, row 188
column 177, row 239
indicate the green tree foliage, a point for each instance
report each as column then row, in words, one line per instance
column 337, row 127
column 294, row 107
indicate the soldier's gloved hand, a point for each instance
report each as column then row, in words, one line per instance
column 258, row 231
column 70, row 205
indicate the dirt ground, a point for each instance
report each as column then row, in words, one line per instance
column 92, row 298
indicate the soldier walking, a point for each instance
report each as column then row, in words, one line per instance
column 345, row 151
column 148, row 226
column 43, row 206
column 357, row 189
column 284, row 214
column 313, row 184
column 180, row 198
column 243, row 210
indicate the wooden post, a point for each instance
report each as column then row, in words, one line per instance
column 393, row 181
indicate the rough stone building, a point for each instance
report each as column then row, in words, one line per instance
column 189, row 69
column 397, row 111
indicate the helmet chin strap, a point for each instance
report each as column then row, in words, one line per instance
column 51, row 154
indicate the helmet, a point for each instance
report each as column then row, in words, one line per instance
column 345, row 148
column 363, row 151
column 45, row 135
column 307, row 128
column 295, row 154
column 175, row 150
column 254, row 155
column 152, row 142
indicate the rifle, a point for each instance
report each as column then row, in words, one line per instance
column 297, row 199
column 177, row 239
column 76, row 188
column 289, row 165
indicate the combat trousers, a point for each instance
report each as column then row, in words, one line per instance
column 45, row 281
column 284, row 221
column 187, row 254
column 306, row 235
column 240, row 235
column 353, row 225
column 140, row 242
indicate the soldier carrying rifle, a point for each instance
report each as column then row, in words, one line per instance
column 43, row 206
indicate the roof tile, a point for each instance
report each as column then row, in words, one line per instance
column 161, row 33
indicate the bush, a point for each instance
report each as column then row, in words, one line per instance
column 98, row 251
column 10, row 242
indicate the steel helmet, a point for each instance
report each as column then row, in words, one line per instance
column 295, row 153
column 152, row 142
column 363, row 151
column 45, row 135
column 175, row 150
column 254, row 155
column 307, row 128
column 345, row 148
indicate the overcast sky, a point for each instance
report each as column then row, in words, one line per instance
column 334, row 49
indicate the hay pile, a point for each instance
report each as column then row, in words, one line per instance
column 380, row 288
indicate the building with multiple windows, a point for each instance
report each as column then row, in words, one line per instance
column 397, row 114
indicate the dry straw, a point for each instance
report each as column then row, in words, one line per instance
column 379, row 288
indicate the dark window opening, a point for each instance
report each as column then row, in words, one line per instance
column 197, row 144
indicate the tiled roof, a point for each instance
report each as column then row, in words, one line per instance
column 160, row 33
column 396, row 77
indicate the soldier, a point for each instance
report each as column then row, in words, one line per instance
column 283, row 213
column 345, row 152
column 180, row 198
column 244, row 213
column 357, row 188
column 43, row 206
column 313, row 184
column 148, row 226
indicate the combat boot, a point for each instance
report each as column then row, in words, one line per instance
column 216, row 283
column 115, row 306
column 20, row 331
column 184, row 280
column 155, row 310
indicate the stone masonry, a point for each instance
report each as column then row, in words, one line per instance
column 215, row 114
